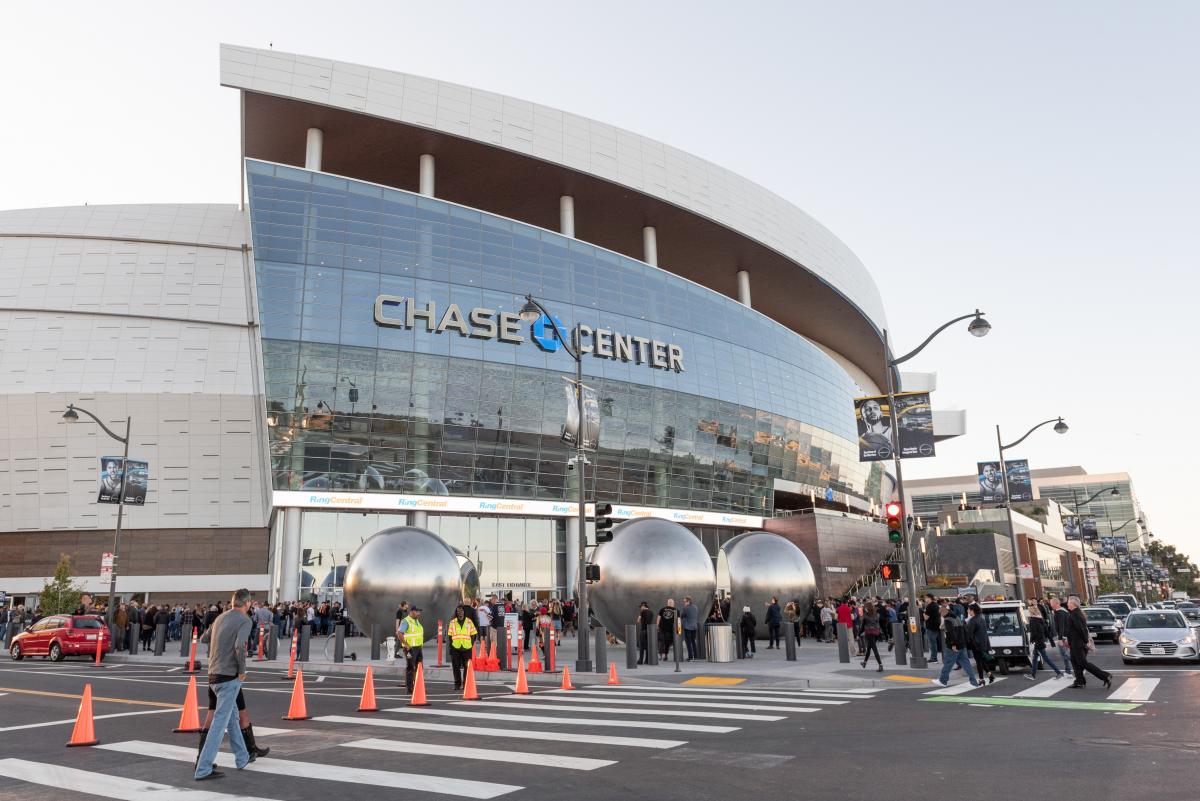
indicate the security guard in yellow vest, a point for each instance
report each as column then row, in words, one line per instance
column 462, row 634
column 412, row 637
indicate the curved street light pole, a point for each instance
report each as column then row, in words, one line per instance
column 72, row 414
column 1087, row 586
column 533, row 308
column 1059, row 427
column 978, row 327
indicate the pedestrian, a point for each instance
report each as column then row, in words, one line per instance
column 933, row 625
column 977, row 639
column 413, row 639
column 644, row 621
column 121, row 619
column 462, row 635
column 774, row 621
column 826, row 623
column 1058, row 620
column 791, row 616
column 691, row 624
column 1038, row 634
column 226, row 640
column 483, row 620
column 527, row 619
column 401, row 615
column 845, row 617
column 1079, row 638
column 871, row 635
column 958, row 650
column 746, row 627
column 666, row 628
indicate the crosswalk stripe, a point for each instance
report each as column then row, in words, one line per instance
column 710, row 697
column 855, row 692
column 511, row 734
column 486, row 754
column 1043, row 689
column 316, row 770
column 571, row 721
column 585, row 699
column 613, row 710
column 96, row 717
column 959, row 689
column 91, row 783
column 1135, row 689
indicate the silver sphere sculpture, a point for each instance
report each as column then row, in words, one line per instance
column 763, row 565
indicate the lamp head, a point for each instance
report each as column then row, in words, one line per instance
column 979, row 327
column 1115, row 491
column 1060, row 427
column 530, row 312
column 70, row 414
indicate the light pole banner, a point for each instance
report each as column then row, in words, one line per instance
column 875, row 419
column 1020, row 486
column 1074, row 525
column 1087, row 525
column 137, row 478
column 991, row 482
column 591, row 413
column 113, row 472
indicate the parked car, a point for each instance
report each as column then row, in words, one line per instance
column 1159, row 634
column 60, row 636
column 1103, row 623
column 1119, row 608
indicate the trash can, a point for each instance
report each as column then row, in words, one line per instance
column 719, row 642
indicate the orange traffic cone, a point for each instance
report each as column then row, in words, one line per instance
column 566, row 682
column 535, row 664
column 189, row 721
column 83, row 733
column 476, row 659
column 298, row 710
column 418, row 694
column 367, row 703
column 522, row 687
column 469, row 691
column 493, row 661
column 612, row 673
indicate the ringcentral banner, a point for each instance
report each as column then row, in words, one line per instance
column 397, row 311
column 875, row 420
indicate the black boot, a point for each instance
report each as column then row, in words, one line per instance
column 251, row 746
column 203, row 734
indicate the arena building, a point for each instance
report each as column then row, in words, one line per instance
column 342, row 352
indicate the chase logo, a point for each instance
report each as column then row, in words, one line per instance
column 544, row 334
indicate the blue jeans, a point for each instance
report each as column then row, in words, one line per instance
column 224, row 718
column 1040, row 655
column 962, row 658
column 1065, row 653
column 931, row 639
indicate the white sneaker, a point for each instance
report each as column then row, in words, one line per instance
column 940, row 683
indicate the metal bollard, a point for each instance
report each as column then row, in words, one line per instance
column 678, row 638
column 502, row 647
column 601, row 642
column 134, row 638
column 701, row 641
column 185, row 642
column 339, row 643
column 631, row 646
column 375, row 642
column 843, row 644
column 272, row 642
column 898, row 640
column 302, row 646
column 160, row 639
column 789, row 646
column 652, row 644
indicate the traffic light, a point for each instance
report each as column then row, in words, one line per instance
column 894, row 512
column 890, row 571
column 603, row 523
column 591, row 572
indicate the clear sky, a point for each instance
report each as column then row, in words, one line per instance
column 1040, row 161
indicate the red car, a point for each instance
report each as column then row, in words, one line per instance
column 60, row 636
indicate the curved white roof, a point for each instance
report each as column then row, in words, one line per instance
column 567, row 140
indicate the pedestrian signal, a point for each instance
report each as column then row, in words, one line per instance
column 890, row 571
column 894, row 512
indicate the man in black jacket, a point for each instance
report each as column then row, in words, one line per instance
column 1079, row 638
column 958, row 650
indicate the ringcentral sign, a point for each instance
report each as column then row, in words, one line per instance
column 396, row 311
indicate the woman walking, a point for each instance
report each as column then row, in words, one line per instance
column 871, row 634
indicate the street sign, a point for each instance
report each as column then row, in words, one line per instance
column 106, row 566
column 1026, row 570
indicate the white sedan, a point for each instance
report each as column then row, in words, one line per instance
column 1158, row 634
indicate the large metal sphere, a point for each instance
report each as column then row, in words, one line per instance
column 762, row 565
column 469, row 581
column 650, row 560
column 403, row 564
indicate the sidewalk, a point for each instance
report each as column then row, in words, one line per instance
column 816, row 666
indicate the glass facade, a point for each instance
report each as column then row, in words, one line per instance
column 357, row 406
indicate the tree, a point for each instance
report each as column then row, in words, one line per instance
column 60, row 595
column 1108, row 584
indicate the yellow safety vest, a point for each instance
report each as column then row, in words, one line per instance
column 414, row 636
column 460, row 635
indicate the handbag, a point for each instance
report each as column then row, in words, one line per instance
column 873, row 631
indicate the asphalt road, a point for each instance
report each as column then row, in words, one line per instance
column 751, row 741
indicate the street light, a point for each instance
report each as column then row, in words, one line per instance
column 71, row 415
column 531, row 312
column 1087, row 587
column 1059, row 428
column 978, row 327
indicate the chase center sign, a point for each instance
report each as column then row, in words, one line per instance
column 396, row 311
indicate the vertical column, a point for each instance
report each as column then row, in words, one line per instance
column 418, row 519
column 289, row 571
column 427, row 175
column 573, row 559
column 650, row 245
column 313, row 149
column 743, row 279
column 566, row 216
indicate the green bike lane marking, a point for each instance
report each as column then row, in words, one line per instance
column 1041, row 703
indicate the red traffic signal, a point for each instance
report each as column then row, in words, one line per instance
column 895, row 515
column 890, row 571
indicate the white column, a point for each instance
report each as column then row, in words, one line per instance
column 418, row 519
column 427, row 175
column 743, row 279
column 566, row 216
column 289, row 571
column 572, row 555
column 313, row 149
column 650, row 245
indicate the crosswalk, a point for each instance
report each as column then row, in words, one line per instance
column 484, row 749
column 1130, row 691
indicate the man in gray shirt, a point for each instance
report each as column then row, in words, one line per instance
column 226, row 671
column 691, row 624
